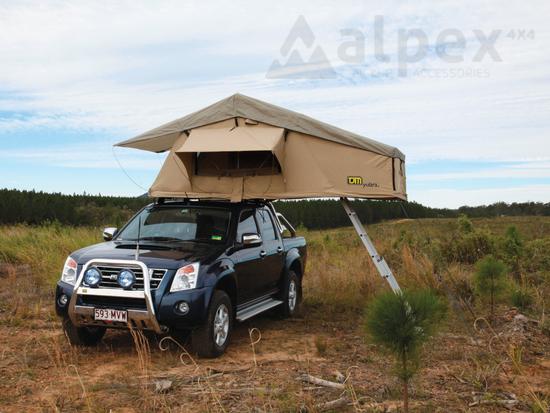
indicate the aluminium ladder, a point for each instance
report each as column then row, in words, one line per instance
column 379, row 261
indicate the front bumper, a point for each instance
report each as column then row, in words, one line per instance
column 158, row 313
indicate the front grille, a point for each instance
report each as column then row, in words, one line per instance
column 109, row 272
column 114, row 302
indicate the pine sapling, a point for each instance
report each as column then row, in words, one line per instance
column 402, row 323
column 490, row 280
column 513, row 249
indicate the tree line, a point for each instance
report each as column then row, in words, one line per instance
column 31, row 207
column 329, row 213
column 35, row 208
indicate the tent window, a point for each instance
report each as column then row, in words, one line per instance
column 236, row 163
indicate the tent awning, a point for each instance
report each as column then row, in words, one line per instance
column 235, row 139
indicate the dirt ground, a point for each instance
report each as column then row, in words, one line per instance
column 465, row 369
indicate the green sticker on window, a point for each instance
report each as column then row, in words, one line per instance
column 216, row 237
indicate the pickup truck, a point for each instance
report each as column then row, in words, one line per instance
column 184, row 266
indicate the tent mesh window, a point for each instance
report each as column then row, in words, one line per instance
column 250, row 163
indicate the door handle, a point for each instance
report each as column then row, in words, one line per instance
column 279, row 250
column 263, row 254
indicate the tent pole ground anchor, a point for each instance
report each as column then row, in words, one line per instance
column 379, row 261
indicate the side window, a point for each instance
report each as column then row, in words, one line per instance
column 266, row 225
column 247, row 224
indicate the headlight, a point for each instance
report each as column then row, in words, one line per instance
column 126, row 279
column 69, row 271
column 92, row 277
column 185, row 278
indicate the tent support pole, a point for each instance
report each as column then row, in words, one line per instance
column 379, row 261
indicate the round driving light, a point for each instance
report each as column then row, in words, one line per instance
column 126, row 278
column 92, row 277
column 182, row 307
column 62, row 300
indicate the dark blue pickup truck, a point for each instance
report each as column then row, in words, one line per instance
column 184, row 265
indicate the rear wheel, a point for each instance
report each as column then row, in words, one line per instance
column 211, row 339
column 82, row 336
column 291, row 295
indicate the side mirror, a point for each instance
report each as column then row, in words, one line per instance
column 109, row 233
column 251, row 240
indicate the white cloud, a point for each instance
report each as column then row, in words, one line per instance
column 88, row 157
column 523, row 170
column 124, row 67
column 454, row 198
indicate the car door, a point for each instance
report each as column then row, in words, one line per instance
column 272, row 251
column 248, row 261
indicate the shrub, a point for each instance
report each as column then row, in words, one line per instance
column 402, row 323
column 464, row 224
column 513, row 244
column 522, row 298
column 536, row 259
column 469, row 248
column 321, row 345
column 512, row 250
column 489, row 279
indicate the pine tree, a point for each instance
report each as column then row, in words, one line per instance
column 489, row 279
column 402, row 323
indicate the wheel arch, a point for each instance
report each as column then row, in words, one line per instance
column 228, row 283
column 294, row 263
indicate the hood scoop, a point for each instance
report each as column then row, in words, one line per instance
column 150, row 247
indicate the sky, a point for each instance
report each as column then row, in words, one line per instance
column 461, row 87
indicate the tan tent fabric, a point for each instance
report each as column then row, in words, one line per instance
column 162, row 138
column 306, row 166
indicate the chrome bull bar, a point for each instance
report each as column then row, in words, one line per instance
column 83, row 315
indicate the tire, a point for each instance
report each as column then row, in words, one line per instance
column 291, row 295
column 211, row 339
column 82, row 336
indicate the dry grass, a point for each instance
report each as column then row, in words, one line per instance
column 39, row 371
column 43, row 249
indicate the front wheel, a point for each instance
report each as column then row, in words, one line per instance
column 82, row 336
column 291, row 296
column 211, row 339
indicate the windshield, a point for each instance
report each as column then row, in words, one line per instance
column 175, row 224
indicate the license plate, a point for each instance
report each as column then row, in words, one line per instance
column 106, row 314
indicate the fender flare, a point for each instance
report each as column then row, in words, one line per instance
column 227, row 281
column 293, row 259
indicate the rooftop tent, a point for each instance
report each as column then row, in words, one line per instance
column 243, row 148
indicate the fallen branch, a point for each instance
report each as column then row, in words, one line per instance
column 504, row 403
column 333, row 404
column 454, row 376
column 308, row 378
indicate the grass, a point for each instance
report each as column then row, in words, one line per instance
column 43, row 248
column 341, row 276
column 340, row 280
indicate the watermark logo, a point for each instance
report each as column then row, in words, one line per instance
column 301, row 57
column 294, row 63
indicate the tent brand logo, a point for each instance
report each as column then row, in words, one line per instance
column 316, row 67
column 358, row 180
column 355, row 180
